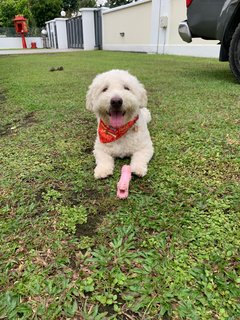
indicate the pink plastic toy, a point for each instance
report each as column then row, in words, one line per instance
column 123, row 184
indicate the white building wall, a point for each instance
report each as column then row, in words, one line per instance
column 16, row 42
column 128, row 27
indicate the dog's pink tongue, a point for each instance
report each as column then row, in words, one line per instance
column 116, row 119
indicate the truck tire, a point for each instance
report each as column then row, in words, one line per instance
column 234, row 53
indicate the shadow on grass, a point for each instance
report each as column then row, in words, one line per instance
column 209, row 75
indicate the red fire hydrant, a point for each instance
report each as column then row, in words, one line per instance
column 21, row 27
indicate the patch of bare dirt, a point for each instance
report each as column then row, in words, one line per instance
column 2, row 97
column 12, row 127
column 102, row 206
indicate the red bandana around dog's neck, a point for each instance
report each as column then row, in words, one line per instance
column 109, row 134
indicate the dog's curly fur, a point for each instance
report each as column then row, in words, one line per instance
column 136, row 143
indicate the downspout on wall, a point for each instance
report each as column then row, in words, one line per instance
column 159, row 27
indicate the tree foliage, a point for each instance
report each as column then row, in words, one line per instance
column 116, row 3
column 45, row 10
column 87, row 3
column 10, row 8
column 39, row 11
column 71, row 6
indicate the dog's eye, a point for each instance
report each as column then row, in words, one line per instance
column 104, row 89
column 126, row 88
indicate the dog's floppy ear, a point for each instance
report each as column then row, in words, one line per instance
column 89, row 98
column 143, row 96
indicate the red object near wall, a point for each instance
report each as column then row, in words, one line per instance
column 21, row 27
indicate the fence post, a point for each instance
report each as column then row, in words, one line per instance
column 61, row 28
column 88, row 28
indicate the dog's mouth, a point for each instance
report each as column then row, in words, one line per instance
column 116, row 118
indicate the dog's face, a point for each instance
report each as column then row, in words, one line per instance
column 116, row 97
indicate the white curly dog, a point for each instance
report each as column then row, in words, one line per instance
column 119, row 102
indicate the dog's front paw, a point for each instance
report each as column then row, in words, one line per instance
column 101, row 172
column 139, row 170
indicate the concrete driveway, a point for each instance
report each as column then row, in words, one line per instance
column 32, row 51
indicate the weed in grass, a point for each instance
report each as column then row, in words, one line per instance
column 71, row 217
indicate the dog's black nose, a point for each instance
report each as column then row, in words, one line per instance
column 116, row 102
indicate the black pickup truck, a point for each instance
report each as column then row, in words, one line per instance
column 215, row 20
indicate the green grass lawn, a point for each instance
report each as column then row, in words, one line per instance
column 69, row 249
